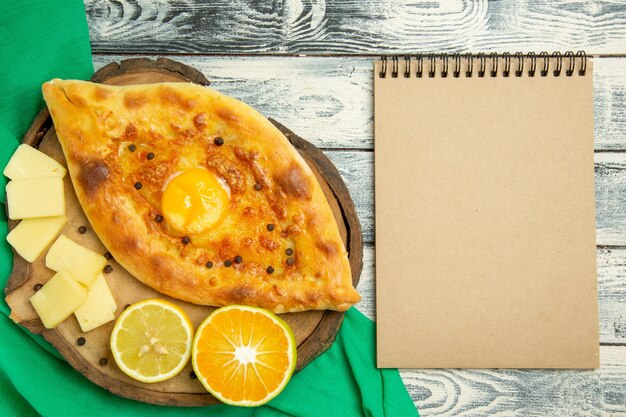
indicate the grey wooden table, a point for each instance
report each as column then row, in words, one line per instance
column 308, row 64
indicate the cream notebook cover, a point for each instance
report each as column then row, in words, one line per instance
column 485, row 212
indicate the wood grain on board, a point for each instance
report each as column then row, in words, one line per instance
column 354, row 26
column 315, row 331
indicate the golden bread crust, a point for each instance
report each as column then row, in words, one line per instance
column 177, row 124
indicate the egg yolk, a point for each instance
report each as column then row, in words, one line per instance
column 194, row 201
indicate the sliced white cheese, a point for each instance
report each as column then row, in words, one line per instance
column 32, row 236
column 58, row 299
column 83, row 263
column 28, row 162
column 40, row 197
column 99, row 307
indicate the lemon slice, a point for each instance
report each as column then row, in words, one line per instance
column 151, row 340
column 243, row 355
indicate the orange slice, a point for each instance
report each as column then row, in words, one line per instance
column 244, row 355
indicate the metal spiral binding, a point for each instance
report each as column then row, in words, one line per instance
column 494, row 67
column 533, row 64
column 420, row 66
column 433, row 65
column 507, row 64
column 544, row 59
column 407, row 67
column 457, row 65
column 520, row 64
column 483, row 64
column 546, row 63
column 470, row 64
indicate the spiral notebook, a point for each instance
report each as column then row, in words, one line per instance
column 485, row 212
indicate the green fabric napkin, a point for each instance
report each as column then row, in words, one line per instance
column 43, row 39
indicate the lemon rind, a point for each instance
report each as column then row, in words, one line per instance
column 184, row 359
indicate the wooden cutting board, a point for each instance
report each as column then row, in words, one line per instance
column 315, row 330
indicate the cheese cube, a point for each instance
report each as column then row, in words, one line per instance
column 58, row 299
column 28, row 162
column 32, row 236
column 98, row 308
column 41, row 197
column 67, row 255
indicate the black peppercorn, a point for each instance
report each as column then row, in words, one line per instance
column 185, row 240
column 209, row 264
column 82, row 230
column 258, row 187
column 192, row 375
column 218, row 141
column 107, row 269
column 289, row 261
column 108, row 256
column 270, row 270
column 81, row 341
column 103, row 361
column 150, row 156
column 158, row 218
column 227, row 263
column 289, row 252
column 37, row 287
column 137, row 185
column 270, row 227
column 238, row 259
column 132, row 148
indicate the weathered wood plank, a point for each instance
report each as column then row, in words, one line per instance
column 609, row 93
column 612, row 295
column 528, row 392
column 329, row 100
column 611, row 292
column 456, row 392
column 610, row 198
column 354, row 26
